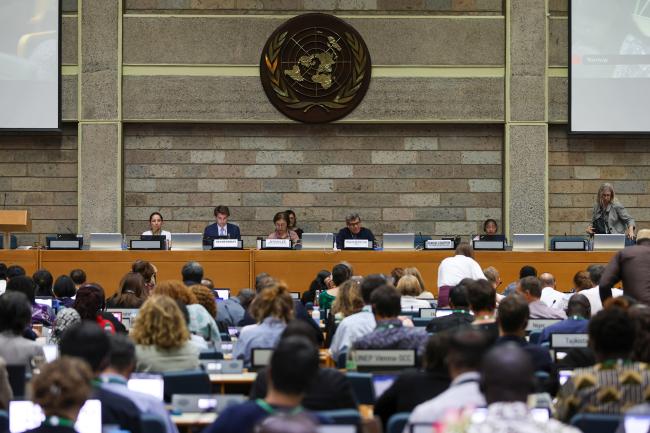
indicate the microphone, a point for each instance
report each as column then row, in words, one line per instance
column 4, row 201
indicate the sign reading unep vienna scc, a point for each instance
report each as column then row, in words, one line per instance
column 315, row 68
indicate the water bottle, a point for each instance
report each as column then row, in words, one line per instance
column 124, row 244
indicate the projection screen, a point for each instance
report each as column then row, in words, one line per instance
column 29, row 64
column 609, row 65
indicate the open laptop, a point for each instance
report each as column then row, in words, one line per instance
column 317, row 241
column 187, row 241
column 529, row 242
column 609, row 242
column 126, row 316
column 106, row 241
column 25, row 415
column 399, row 241
column 150, row 384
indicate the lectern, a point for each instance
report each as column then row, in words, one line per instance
column 13, row 221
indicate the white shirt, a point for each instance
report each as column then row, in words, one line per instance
column 554, row 298
column 453, row 269
column 463, row 392
column 351, row 329
column 410, row 303
column 3, row 286
column 593, row 295
column 164, row 233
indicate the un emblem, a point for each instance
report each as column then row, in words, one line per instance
column 315, row 68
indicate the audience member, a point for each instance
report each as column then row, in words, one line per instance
column 205, row 297
column 90, row 304
column 615, row 382
column 192, row 273
column 283, row 423
column 507, row 396
column 353, row 230
column 492, row 275
column 6, row 393
column 89, row 342
column 349, row 300
column 359, row 324
column 593, row 293
column 15, row 271
column 396, row 274
column 272, row 309
column 66, row 318
column 640, row 315
column 130, row 294
column 482, row 301
column 630, row 265
column 196, row 340
column 409, row 288
column 550, row 295
column 231, row 311
column 316, row 287
column 531, row 289
column 525, row 271
column 294, row 364
column 64, row 290
column 412, row 388
column 340, row 273
column 41, row 314
column 114, row 378
column 389, row 332
column 453, row 269
column 416, row 273
column 207, row 282
column 464, row 355
column 61, row 389
column 43, row 280
column 15, row 316
column 282, row 231
column 148, row 272
column 162, row 337
column 578, row 312
column 460, row 316
column 78, row 276
column 330, row 390
column 201, row 322
column 293, row 222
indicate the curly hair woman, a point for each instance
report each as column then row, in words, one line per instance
column 162, row 338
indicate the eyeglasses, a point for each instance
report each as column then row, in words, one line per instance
column 354, row 224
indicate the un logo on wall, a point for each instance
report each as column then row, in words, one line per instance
column 315, row 68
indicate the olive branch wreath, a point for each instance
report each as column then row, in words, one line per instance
column 287, row 95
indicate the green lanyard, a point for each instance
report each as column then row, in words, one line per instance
column 58, row 421
column 611, row 363
column 272, row 411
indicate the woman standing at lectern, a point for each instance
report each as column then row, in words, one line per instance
column 609, row 216
column 155, row 225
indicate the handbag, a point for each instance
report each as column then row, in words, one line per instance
column 600, row 226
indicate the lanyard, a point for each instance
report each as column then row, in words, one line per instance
column 58, row 421
column 272, row 411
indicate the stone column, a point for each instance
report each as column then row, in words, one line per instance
column 526, row 126
column 100, row 126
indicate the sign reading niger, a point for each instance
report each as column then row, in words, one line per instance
column 315, row 68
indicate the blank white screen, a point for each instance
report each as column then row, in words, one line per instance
column 29, row 64
column 610, row 65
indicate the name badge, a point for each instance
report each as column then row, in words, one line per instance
column 356, row 243
column 225, row 243
column 278, row 243
column 569, row 340
column 439, row 244
column 385, row 358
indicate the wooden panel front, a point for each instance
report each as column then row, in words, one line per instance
column 229, row 269
column 28, row 259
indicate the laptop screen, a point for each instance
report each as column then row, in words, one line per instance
column 148, row 384
column 381, row 383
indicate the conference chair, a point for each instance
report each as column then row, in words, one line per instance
column 210, row 355
column 152, row 424
column 534, row 336
column 362, row 388
column 596, row 422
column 4, row 420
column 186, row 382
column 341, row 416
column 17, row 379
column 397, row 422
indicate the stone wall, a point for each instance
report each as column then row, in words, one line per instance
column 440, row 179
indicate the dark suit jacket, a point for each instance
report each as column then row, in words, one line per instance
column 452, row 321
column 212, row 231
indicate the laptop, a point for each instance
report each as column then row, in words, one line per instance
column 187, row 241
column 317, row 241
column 193, row 403
column 381, row 382
column 126, row 316
column 150, row 384
column 609, row 242
column 529, row 242
column 260, row 358
column 399, row 241
column 106, row 241
column 25, row 415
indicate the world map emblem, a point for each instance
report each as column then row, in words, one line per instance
column 315, row 68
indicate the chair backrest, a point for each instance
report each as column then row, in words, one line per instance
column 362, row 387
column 210, row 354
column 186, row 382
column 421, row 322
column 342, row 416
column 17, row 379
column 4, row 420
column 534, row 336
column 596, row 422
column 397, row 422
column 152, row 424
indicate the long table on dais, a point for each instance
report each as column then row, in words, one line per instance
column 28, row 259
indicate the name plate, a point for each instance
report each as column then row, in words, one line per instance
column 225, row 243
column 427, row 313
column 570, row 245
column 385, row 358
column 278, row 243
column 233, row 366
column 569, row 340
column 147, row 245
column 539, row 324
column 439, row 244
column 61, row 244
column 356, row 243
column 489, row 245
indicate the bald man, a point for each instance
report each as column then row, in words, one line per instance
column 550, row 295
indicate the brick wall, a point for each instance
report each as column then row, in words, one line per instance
column 578, row 165
column 39, row 173
column 434, row 179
